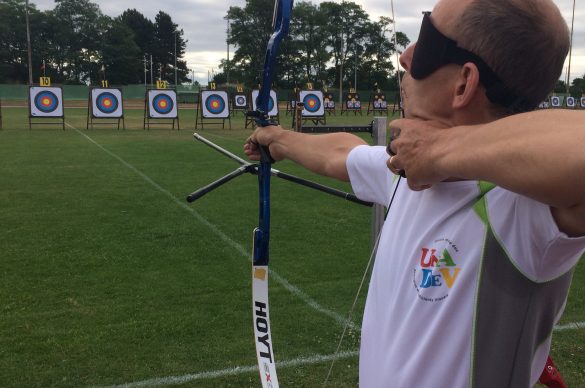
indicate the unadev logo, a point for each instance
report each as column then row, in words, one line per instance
column 436, row 272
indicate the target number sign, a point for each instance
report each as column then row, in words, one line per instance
column 272, row 105
column 313, row 102
column 214, row 104
column 45, row 101
column 106, row 102
column 162, row 104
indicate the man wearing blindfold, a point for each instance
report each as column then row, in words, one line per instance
column 476, row 256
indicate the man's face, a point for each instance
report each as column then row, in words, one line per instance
column 431, row 97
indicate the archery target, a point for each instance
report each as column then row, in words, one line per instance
column 240, row 101
column 272, row 105
column 46, row 101
column 555, row 101
column 582, row 101
column 329, row 102
column 214, row 104
column 106, row 103
column 162, row 104
column 570, row 102
column 313, row 102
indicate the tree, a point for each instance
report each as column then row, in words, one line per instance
column 13, row 45
column 250, row 29
column 142, row 28
column 79, row 36
column 121, row 56
column 169, row 45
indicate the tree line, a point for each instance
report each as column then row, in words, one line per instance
column 75, row 43
column 326, row 42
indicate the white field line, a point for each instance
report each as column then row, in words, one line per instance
column 570, row 326
column 173, row 380
column 341, row 320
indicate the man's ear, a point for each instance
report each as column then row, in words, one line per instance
column 467, row 86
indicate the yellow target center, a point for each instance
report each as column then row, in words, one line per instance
column 107, row 103
column 163, row 104
column 46, row 101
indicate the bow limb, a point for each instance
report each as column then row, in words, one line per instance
column 260, row 309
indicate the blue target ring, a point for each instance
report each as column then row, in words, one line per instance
column 106, row 102
column 162, row 104
column 215, row 104
column 46, row 101
column 312, row 103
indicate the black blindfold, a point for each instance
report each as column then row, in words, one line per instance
column 434, row 50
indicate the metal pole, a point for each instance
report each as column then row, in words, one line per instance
column 30, row 77
column 151, row 72
column 144, row 69
column 175, row 58
column 227, row 70
column 570, row 50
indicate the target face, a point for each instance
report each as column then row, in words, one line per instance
column 582, row 102
column 313, row 102
column 240, row 101
column 162, row 104
column 555, row 101
column 570, row 102
column 46, row 101
column 272, row 106
column 215, row 104
column 107, row 103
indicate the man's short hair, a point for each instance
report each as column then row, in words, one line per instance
column 521, row 40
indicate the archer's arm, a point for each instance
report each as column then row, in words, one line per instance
column 323, row 154
column 537, row 154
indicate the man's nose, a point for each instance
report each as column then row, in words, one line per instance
column 406, row 57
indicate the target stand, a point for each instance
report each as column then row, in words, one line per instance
column 45, row 102
column 377, row 103
column 397, row 107
column 291, row 102
column 214, row 108
column 329, row 103
column 161, row 104
column 311, row 108
column 273, row 111
column 352, row 103
column 105, row 104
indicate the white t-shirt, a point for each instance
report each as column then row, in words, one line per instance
column 428, row 316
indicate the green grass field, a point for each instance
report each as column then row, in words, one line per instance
column 109, row 277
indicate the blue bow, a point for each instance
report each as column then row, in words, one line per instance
column 263, row 336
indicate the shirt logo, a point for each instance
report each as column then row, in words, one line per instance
column 436, row 272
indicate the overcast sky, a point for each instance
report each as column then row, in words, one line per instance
column 205, row 27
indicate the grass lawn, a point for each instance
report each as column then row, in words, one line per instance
column 110, row 277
